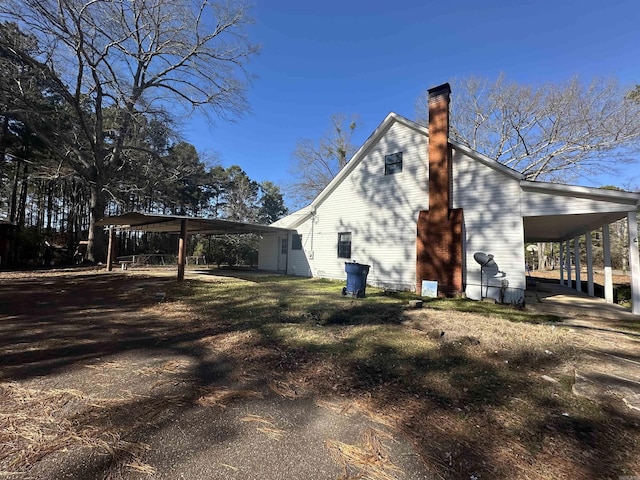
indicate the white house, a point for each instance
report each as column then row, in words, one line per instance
column 415, row 206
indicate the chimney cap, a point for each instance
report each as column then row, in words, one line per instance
column 444, row 89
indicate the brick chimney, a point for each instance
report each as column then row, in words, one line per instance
column 439, row 233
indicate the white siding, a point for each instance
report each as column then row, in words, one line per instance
column 541, row 204
column 298, row 263
column 380, row 211
column 493, row 225
column 268, row 253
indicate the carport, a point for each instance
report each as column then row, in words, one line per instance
column 180, row 225
column 562, row 214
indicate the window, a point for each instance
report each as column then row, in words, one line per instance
column 344, row 245
column 296, row 242
column 393, row 163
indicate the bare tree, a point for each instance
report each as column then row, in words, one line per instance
column 553, row 132
column 109, row 62
column 315, row 163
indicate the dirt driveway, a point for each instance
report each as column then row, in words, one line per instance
column 104, row 377
column 607, row 334
column 101, row 378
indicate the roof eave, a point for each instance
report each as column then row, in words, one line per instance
column 597, row 193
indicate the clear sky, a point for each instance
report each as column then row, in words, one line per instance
column 371, row 57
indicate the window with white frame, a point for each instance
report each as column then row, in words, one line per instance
column 344, row 245
column 393, row 163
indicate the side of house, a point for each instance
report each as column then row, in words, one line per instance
column 369, row 214
column 490, row 197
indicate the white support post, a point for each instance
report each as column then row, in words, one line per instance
column 590, row 289
column 567, row 261
column 576, row 250
column 562, row 263
column 182, row 248
column 634, row 261
column 608, row 274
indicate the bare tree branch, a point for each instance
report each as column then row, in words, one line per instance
column 110, row 61
column 317, row 162
column 554, row 132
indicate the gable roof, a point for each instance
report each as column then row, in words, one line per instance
column 296, row 218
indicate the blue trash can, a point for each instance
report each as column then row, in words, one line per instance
column 356, row 279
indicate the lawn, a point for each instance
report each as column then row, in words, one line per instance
column 478, row 390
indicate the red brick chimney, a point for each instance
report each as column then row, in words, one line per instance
column 439, row 235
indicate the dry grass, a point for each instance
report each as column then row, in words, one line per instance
column 264, row 426
column 471, row 403
column 37, row 422
column 222, row 396
column 598, row 276
column 522, row 342
column 286, row 389
column 370, row 459
column 169, row 367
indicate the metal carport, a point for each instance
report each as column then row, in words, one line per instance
column 182, row 225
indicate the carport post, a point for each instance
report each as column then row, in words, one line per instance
column 590, row 290
column 634, row 261
column 608, row 274
column 562, row 263
column 110, row 250
column 567, row 260
column 576, row 250
column 182, row 248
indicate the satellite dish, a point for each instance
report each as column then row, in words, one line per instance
column 484, row 259
column 532, row 248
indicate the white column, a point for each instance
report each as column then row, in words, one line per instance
column 576, row 249
column 182, row 248
column 590, row 289
column 608, row 274
column 561, row 263
column 634, row 261
column 567, row 261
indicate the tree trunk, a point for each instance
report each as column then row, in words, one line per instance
column 96, row 244
column 22, row 207
column 14, row 193
column 541, row 256
column 49, row 205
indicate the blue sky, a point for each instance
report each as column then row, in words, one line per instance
column 370, row 58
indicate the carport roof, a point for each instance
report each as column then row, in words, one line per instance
column 148, row 222
column 555, row 212
column 558, row 228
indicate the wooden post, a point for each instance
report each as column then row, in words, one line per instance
column 110, row 249
column 182, row 248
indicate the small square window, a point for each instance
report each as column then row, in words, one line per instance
column 296, row 242
column 393, row 163
column 344, row 245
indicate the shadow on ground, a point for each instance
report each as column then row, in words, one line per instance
column 172, row 376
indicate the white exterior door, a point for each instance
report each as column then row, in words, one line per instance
column 283, row 250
